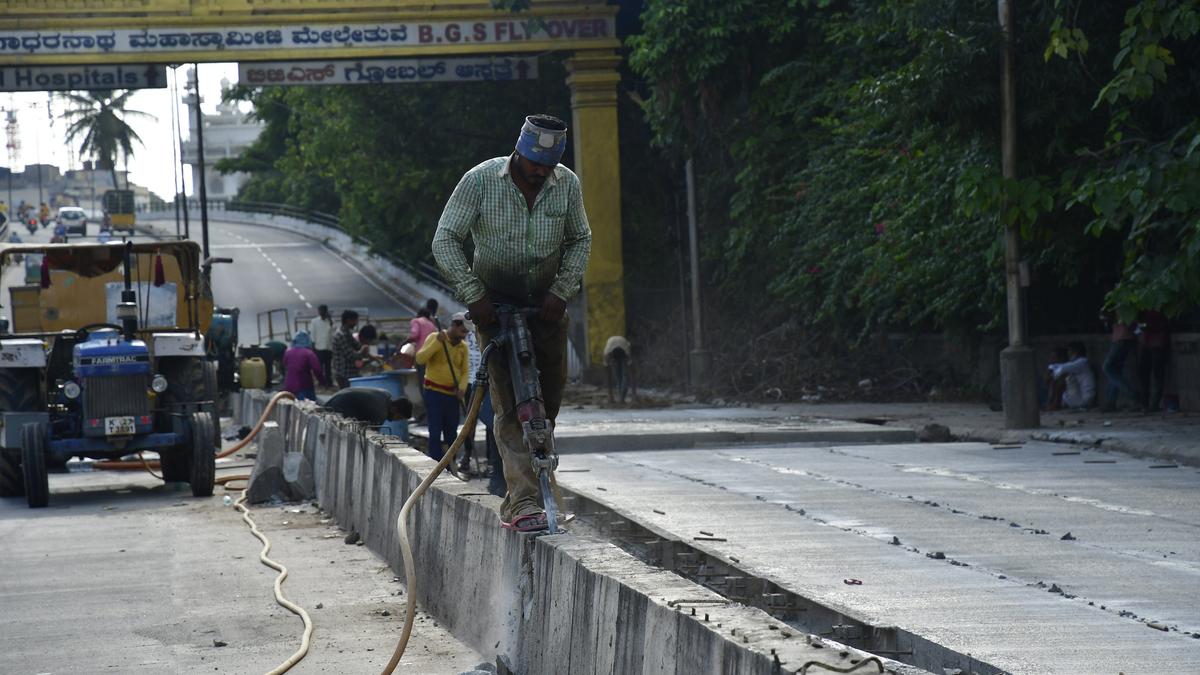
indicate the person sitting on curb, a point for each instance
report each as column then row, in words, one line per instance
column 445, row 358
column 1074, row 385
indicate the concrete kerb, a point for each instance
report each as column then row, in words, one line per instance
column 550, row 604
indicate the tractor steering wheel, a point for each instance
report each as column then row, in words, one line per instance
column 82, row 332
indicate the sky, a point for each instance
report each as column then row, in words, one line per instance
column 43, row 138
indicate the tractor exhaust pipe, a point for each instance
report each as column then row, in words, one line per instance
column 127, row 309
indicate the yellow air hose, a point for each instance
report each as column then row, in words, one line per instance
column 410, row 575
column 283, row 602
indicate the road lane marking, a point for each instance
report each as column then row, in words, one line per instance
column 262, row 246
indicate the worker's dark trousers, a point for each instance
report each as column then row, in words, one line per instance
column 441, row 418
column 325, row 356
column 550, row 350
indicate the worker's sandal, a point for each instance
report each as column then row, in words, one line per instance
column 530, row 522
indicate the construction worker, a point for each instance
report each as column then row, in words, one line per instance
column 524, row 213
column 445, row 358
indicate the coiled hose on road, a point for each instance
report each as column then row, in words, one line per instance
column 292, row 607
column 410, row 576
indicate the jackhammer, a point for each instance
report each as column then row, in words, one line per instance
column 538, row 434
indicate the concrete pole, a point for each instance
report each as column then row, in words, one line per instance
column 1018, row 375
column 37, row 151
column 699, row 359
column 177, row 168
column 200, row 164
column 189, row 101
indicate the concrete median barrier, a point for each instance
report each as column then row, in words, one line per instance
column 552, row 604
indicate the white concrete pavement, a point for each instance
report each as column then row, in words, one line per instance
column 125, row 574
column 981, row 566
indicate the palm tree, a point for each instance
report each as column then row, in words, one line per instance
column 99, row 117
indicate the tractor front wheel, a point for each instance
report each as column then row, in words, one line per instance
column 203, row 469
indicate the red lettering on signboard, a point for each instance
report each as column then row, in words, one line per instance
column 425, row 33
column 554, row 29
column 480, row 32
column 453, row 33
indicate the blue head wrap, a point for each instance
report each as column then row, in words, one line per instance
column 301, row 339
column 541, row 145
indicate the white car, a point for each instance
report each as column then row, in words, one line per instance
column 74, row 219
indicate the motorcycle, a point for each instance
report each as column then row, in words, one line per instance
column 31, row 225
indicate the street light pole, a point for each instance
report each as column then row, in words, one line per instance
column 1018, row 370
column 200, row 164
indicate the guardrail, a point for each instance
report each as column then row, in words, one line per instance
column 422, row 270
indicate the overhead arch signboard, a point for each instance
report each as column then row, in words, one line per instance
column 207, row 41
column 386, row 71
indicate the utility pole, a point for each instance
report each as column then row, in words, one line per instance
column 187, row 225
column 14, row 146
column 175, row 168
column 37, row 152
column 200, row 164
column 1018, row 370
column 699, row 358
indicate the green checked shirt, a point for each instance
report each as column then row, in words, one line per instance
column 520, row 252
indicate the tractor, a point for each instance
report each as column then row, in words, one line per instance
column 105, row 358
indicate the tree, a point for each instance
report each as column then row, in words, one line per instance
column 1138, row 180
column 98, row 120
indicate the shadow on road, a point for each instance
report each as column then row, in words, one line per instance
column 118, row 494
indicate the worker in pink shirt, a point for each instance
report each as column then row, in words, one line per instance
column 303, row 368
column 421, row 327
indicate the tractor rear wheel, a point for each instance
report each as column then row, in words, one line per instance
column 203, row 470
column 18, row 393
column 33, row 464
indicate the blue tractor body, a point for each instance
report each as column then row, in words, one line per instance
column 111, row 387
column 114, row 411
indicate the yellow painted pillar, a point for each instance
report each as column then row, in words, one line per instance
column 593, row 81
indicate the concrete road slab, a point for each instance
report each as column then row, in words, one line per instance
column 125, row 574
column 980, row 559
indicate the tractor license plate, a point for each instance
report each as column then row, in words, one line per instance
column 119, row 426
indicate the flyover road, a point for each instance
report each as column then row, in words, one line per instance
column 277, row 269
column 1038, row 558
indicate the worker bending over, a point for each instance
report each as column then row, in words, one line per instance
column 524, row 213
